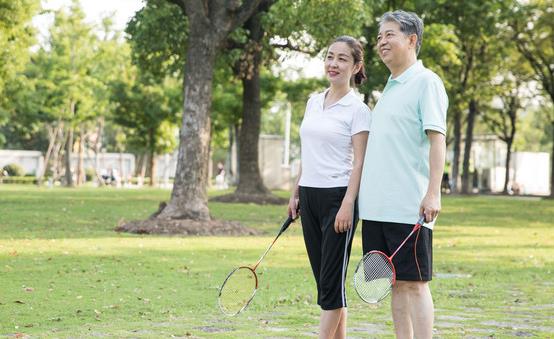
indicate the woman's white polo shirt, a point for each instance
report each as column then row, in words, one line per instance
column 326, row 139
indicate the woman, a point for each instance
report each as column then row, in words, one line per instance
column 333, row 138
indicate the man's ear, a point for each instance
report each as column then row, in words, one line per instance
column 413, row 40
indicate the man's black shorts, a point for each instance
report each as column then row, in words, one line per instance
column 411, row 264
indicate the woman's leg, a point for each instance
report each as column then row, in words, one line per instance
column 332, row 324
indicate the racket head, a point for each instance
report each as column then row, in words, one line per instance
column 237, row 291
column 374, row 277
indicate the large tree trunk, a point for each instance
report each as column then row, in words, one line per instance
column 455, row 166
column 189, row 199
column 250, row 181
column 466, row 176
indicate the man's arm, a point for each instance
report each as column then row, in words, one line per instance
column 431, row 203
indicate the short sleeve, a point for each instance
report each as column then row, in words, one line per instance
column 360, row 120
column 433, row 105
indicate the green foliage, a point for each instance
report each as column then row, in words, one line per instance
column 532, row 25
column 64, row 68
column 535, row 133
column 158, row 35
column 16, row 36
column 90, row 174
column 311, row 25
column 440, row 52
column 148, row 112
column 14, row 170
column 19, row 180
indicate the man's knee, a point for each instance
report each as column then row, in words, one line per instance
column 411, row 287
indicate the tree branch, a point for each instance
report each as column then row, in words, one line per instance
column 289, row 46
column 180, row 4
column 242, row 13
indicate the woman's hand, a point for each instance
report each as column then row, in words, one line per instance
column 343, row 220
column 293, row 206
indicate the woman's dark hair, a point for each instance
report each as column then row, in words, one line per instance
column 358, row 55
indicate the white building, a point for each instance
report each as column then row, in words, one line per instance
column 530, row 171
column 31, row 161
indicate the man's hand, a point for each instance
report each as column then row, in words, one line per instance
column 430, row 206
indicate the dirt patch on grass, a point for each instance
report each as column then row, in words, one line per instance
column 186, row 227
column 260, row 199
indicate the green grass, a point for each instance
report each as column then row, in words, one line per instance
column 64, row 273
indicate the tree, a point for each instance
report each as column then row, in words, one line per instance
column 16, row 36
column 503, row 118
column 475, row 26
column 285, row 25
column 209, row 24
column 148, row 111
column 532, row 26
column 63, row 69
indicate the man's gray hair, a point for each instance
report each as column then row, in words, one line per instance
column 410, row 23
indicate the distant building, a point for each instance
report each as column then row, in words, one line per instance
column 31, row 161
column 529, row 171
column 274, row 169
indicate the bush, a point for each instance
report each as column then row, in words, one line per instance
column 90, row 174
column 14, row 170
column 19, row 180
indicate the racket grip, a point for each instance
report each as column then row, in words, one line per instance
column 421, row 220
column 286, row 224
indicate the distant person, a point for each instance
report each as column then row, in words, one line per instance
column 333, row 136
column 220, row 182
column 403, row 168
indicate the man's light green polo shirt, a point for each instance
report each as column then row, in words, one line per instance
column 395, row 175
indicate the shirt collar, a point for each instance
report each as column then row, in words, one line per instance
column 346, row 100
column 408, row 73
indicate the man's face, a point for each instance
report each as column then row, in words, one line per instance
column 393, row 46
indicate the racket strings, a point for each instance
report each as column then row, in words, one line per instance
column 373, row 278
column 237, row 291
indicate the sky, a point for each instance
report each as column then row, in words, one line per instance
column 291, row 66
column 95, row 10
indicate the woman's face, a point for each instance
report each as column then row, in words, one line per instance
column 339, row 64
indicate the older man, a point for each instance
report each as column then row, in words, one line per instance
column 403, row 167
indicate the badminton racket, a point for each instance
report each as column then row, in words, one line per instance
column 375, row 274
column 241, row 284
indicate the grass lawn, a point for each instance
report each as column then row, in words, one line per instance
column 64, row 273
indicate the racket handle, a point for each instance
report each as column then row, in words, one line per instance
column 416, row 227
column 286, row 224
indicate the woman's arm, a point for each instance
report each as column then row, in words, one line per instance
column 293, row 201
column 343, row 220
